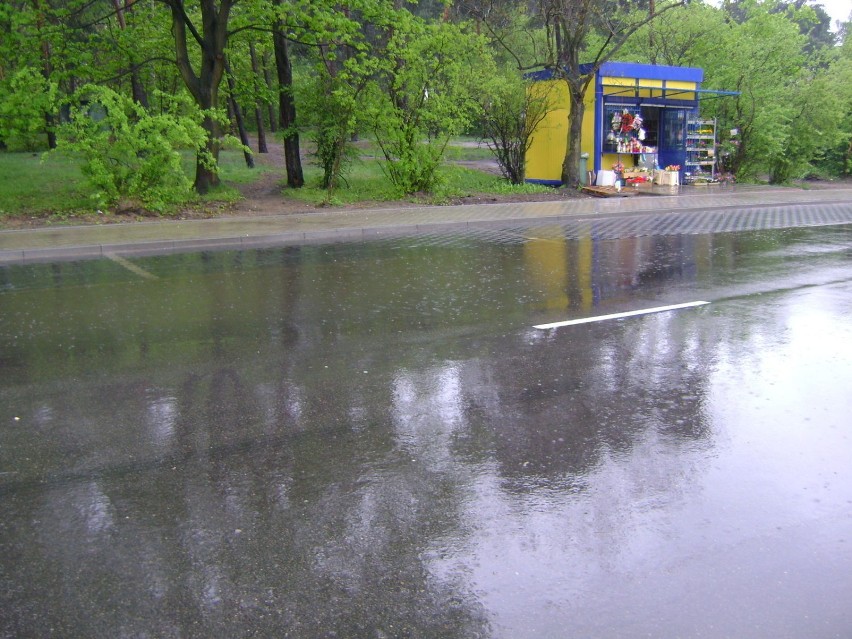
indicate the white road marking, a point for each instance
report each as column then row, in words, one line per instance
column 601, row 318
column 130, row 266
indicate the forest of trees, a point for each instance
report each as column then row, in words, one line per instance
column 125, row 83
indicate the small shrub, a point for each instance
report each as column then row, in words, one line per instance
column 129, row 153
column 511, row 113
column 26, row 103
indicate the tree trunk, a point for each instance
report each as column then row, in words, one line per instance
column 287, row 108
column 267, row 76
column 137, row 89
column 50, row 123
column 238, row 116
column 261, row 130
column 258, row 111
column 570, row 24
column 204, row 85
column 206, row 173
column 46, row 71
column 206, row 165
column 571, row 163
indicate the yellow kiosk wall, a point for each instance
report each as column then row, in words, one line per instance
column 550, row 140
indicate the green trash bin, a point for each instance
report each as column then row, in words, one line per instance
column 584, row 169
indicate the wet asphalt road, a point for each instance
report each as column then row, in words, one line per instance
column 371, row 439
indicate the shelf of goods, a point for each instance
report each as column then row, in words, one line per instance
column 637, row 155
column 700, row 163
column 642, row 169
column 624, row 131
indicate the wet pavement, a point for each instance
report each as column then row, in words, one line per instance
column 371, row 439
column 774, row 207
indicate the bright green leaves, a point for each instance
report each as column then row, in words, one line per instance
column 129, row 153
column 426, row 93
column 763, row 58
column 409, row 82
column 330, row 104
column 26, row 102
column 511, row 112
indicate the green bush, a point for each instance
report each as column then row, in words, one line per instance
column 330, row 105
column 425, row 95
column 128, row 153
column 26, row 102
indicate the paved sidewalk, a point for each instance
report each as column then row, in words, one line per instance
column 146, row 238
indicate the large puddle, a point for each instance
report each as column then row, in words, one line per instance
column 372, row 440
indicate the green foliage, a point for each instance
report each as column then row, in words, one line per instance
column 250, row 88
column 333, row 153
column 686, row 37
column 26, row 100
column 790, row 108
column 837, row 155
column 384, row 69
column 346, row 57
column 814, row 23
column 367, row 183
column 56, row 185
column 751, row 48
column 412, row 164
column 131, row 153
column 511, row 112
column 763, row 58
column 790, row 112
column 426, row 94
column 812, row 119
column 415, row 79
column 330, row 103
column 515, row 31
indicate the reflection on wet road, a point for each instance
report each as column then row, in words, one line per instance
column 372, row 440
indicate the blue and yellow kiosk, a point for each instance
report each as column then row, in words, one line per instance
column 636, row 115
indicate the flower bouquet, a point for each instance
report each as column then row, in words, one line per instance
column 638, row 179
column 673, row 167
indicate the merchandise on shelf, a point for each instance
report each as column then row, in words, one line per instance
column 627, row 133
column 700, row 164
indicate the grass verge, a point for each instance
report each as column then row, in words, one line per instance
column 54, row 186
column 367, row 182
column 33, row 185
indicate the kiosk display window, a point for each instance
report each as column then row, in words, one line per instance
column 625, row 130
column 630, row 133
